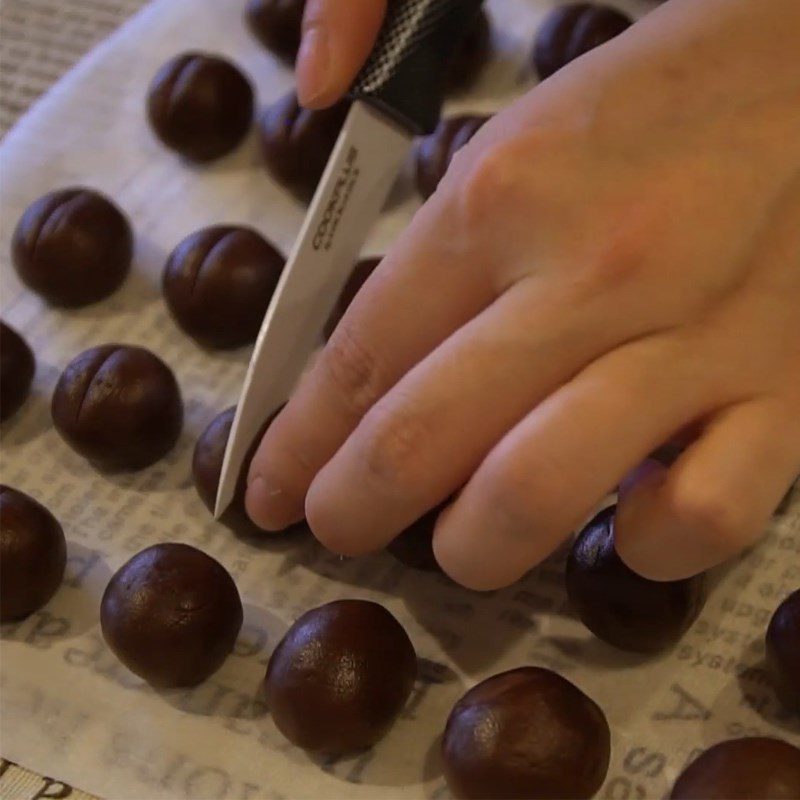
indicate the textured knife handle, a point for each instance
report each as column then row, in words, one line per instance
column 405, row 74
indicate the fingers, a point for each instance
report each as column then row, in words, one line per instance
column 424, row 439
column 415, row 299
column 337, row 38
column 552, row 469
column 716, row 500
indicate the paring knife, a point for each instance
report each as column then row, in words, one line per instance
column 396, row 95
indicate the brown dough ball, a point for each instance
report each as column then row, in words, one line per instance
column 209, row 453
column 742, row 769
column 414, row 546
column 783, row 651
column 17, row 368
column 296, row 143
column 277, row 25
column 434, row 152
column 200, row 106
column 526, row 734
column 621, row 607
column 73, row 247
column 33, row 554
column 218, row 283
column 171, row 615
column 571, row 30
column 362, row 270
column 118, row 406
column 340, row 676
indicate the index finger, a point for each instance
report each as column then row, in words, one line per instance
column 425, row 288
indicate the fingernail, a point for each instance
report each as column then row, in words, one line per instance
column 313, row 65
column 269, row 507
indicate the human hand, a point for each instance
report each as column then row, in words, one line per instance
column 612, row 259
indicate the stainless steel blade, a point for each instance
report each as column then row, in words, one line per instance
column 353, row 188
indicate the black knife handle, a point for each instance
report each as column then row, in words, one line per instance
column 405, row 73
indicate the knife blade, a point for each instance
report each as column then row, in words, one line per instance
column 398, row 93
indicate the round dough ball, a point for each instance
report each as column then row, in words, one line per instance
column 362, row 270
column 17, row 368
column 571, row 30
column 621, row 607
column 526, row 734
column 742, row 769
column 33, row 554
column 171, row 615
column 118, row 406
column 340, row 676
column 218, row 283
column 200, row 106
column 783, row 651
column 434, row 153
column 296, row 142
column 414, row 546
column 73, row 247
column 277, row 24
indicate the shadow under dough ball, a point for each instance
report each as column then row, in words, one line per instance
column 362, row 270
column 571, row 30
column 171, row 615
column 434, row 152
column 742, row 769
column 72, row 247
column 340, row 677
column 296, row 143
column 200, row 106
column 17, row 367
column 118, row 406
column 526, row 733
column 218, row 283
column 783, row 651
column 277, row 24
column 33, row 554
column 209, row 453
column 621, row 607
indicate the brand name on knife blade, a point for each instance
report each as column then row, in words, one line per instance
column 337, row 204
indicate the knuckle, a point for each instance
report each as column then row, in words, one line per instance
column 352, row 370
column 527, row 499
column 484, row 175
column 718, row 519
column 393, row 452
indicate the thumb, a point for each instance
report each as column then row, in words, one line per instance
column 337, row 38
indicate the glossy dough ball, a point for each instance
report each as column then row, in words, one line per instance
column 296, row 143
column 118, row 406
column 340, row 677
column 277, row 25
column 783, row 651
column 218, row 283
column 200, row 106
column 742, row 769
column 17, row 367
column 526, row 734
column 571, row 30
column 33, row 554
column 621, row 607
column 357, row 279
column 73, row 247
column 171, row 615
column 435, row 152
